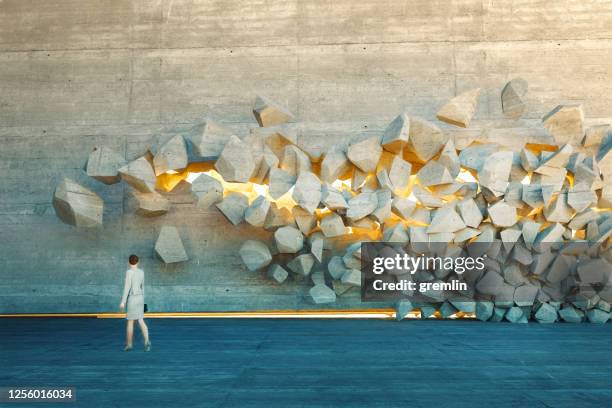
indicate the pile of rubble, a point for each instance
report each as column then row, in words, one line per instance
column 540, row 213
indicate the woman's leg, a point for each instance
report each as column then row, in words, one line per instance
column 129, row 333
column 144, row 329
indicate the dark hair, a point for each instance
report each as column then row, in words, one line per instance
column 133, row 259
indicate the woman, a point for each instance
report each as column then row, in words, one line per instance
column 133, row 293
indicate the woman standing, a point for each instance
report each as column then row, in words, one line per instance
column 133, row 293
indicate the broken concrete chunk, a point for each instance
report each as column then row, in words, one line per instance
column 362, row 205
column 597, row 316
column 151, row 204
column 546, row 314
column 169, row 246
column 433, row 174
column 446, row 219
column 399, row 173
column 595, row 135
column 294, row 161
column 332, row 225
column 267, row 161
column 402, row 308
column 460, row 110
column 352, row 277
column 396, row 134
column 209, row 139
column 257, row 212
column 103, row 164
column 278, row 217
column 278, row 273
column 139, row 174
column 280, row 182
column 270, row 113
column 450, row 159
column 558, row 210
column 236, row 162
column 334, row 165
column 516, row 315
column 484, row 310
column 77, row 205
column 495, row 172
column 426, row 139
column 171, row 157
column 332, row 198
column 570, row 314
column 566, row 124
column 289, row 240
column 316, row 242
column 550, row 235
column 396, row 233
column 472, row 217
column 307, row 191
column 383, row 208
column 514, row 98
column 255, row 255
column 525, row 295
column 322, row 294
column 529, row 161
column 305, row 221
column 557, row 159
column 403, row 207
column 426, row 198
column 503, row 215
column 207, row 190
column 594, row 271
column 302, row 264
column 580, row 197
column 473, row 157
column 509, row 237
column 365, row 154
column 234, row 206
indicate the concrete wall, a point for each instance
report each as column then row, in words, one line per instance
column 76, row 73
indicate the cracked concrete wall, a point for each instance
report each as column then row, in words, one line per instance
column 76, row 73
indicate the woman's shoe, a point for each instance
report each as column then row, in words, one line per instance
column 147, row 346
column 127, row 348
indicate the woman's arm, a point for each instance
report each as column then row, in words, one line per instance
column 127, row 285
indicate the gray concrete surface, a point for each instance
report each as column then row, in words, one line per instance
column 76, row 73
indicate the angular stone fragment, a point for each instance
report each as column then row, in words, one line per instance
column 234, row 206
column 558, row 210
column 322, row 294
column 460, row 110
column 426, row 139
column 402, row 308
column 566, row 124
column 270, row 113
column 529, row 161
column 103, row 164
column 305, row 221
column 580, row 197
column 278, row 273
column 426, row 198
column 546, row 314
column 294, row 161
column 445, row 219
column 151, row 204
column 302, row 264
column 280, row 182
column 255, row 255
column 514, row 98
column 396, row 233
column 502, row 214
column 362, row 205
column 548, row 236
column 450, row 159
column 516, row 315
column 257, row 212
column 209, row 139
column 472, row 217
column 332, row 226
column 365, row 154
column 433, row 174
column 207, row 190
column 399, row 173
column 77, row 205
column 403, row 207
column 289, row 240
column 267, row 161
column 473, row 157
column 278, row 217
column 498, row 314
column 466, row 234
column 396, row 134
column 484, row 310
column 490, row 284
column 316, row 242
column 525, row 295
column 594, row 271
column 570, row 314
column 307, row 191
column 236, row 162
column 169, row 246
column 139, row 174
column 334, row 165
column 495, row 172
column 352, row 277
column 171, row 157
column 595, row 135
column 597, row 316
column 509, row 237
column 383, row 207
column 332, row 198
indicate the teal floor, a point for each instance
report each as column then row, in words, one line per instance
column 312, row 363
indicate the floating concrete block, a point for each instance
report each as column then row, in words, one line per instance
column 570, row 314
column 403, row 207
column 322, row 294
column 484, row 310
column 399, row 173
column 525, row 295
column 171, row 157
column 255, row 255
column 566, row 124
column 332, row 198
column 302, row 264
column 473, row 157
column 514, row 98
column 396, row 134
column 139, row 174
column 402, row 308
column 316, row 242
column 433, row 174
column 365, row 154
column 503, row 215
column 280, row 182
column 103, row 164
column 307, row 191
column 426, row 139
column 352, row 277
column 289, row 240
column 151, row 204
column 278, row 273
column 595, row 135
column 207, row 191
column 472, row 217
column 362, row 205
column 450, row 159
column 383, row 208
column 169, row 246
column 294, row 161
column 77, row 205
column 234, row 206
column 597, row 316
column 305, row 221
column 495, row 172
column 580, row 197
column 278, row 217
column 334, row 165
column 236, row 162
column 446, row 219
column 498, row 314
column 209, row 139
column 257, row 212
column 270, row 113
column 460, row 110
column 558, row 210
column 516, row 315
column 594, row 271
column 333, row 226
